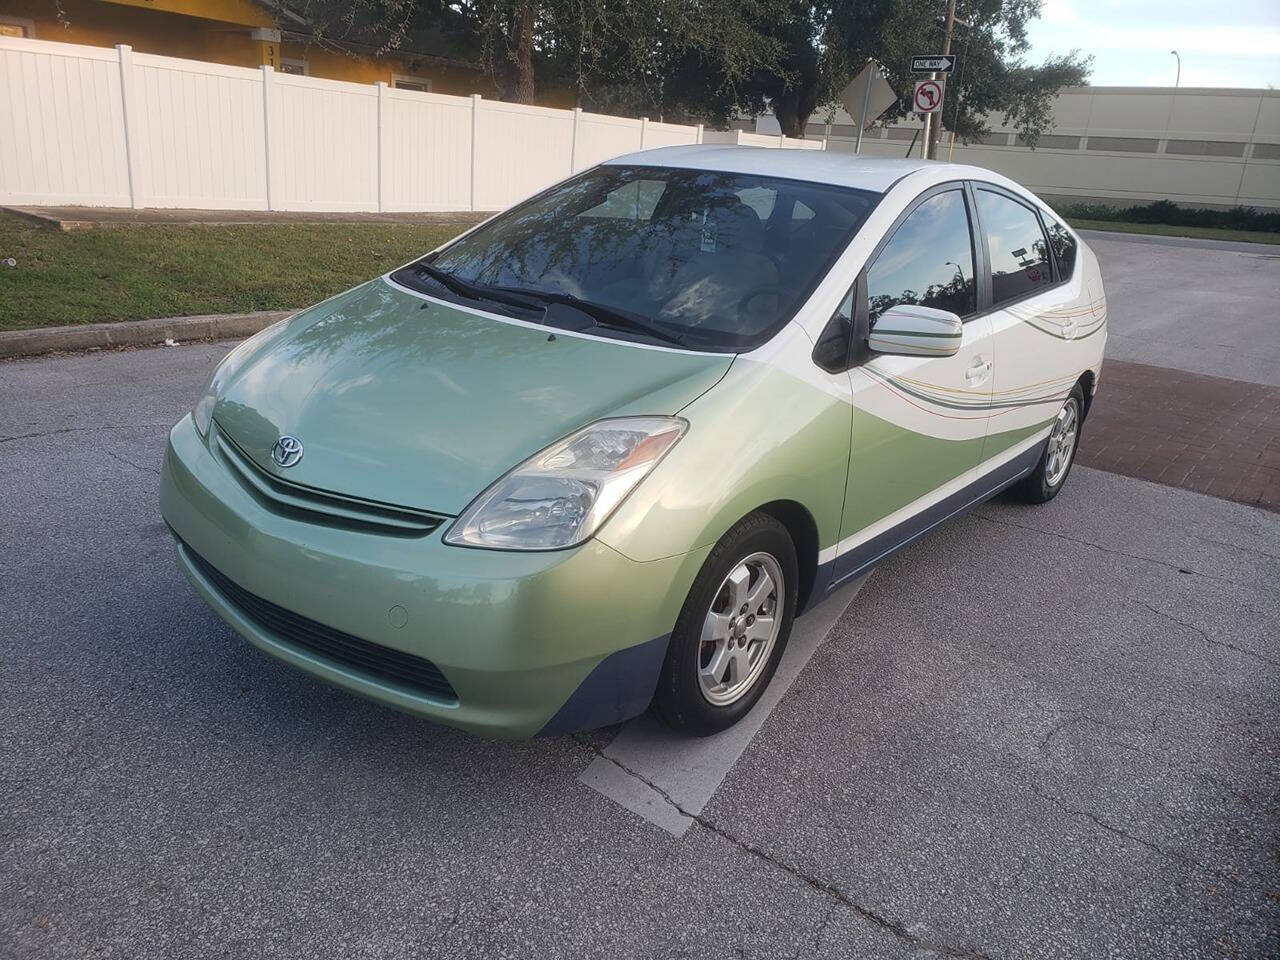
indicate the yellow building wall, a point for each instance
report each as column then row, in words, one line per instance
column 222, row 35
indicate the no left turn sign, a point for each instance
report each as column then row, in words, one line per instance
column 928, row 97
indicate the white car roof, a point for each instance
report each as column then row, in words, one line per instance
column 815, row 166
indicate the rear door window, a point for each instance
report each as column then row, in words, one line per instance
column 1017, row 244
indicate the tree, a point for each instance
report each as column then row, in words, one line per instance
column 828, row 45
column 680, row 58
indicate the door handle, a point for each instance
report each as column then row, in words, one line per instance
column 977, row 372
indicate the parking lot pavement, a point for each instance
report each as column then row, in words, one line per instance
column 1039, row 732
column 1204, row 306
column 1190, row 393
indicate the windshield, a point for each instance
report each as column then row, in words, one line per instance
column 710, row 260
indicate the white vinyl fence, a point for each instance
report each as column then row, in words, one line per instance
column 96, row 126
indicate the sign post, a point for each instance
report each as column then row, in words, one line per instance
column 927, row 101
column 867, row 96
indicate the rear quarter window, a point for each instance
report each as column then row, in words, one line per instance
column 1018, row 247
column 1063, row 246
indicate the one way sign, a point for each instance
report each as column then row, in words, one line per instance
column 941, row 63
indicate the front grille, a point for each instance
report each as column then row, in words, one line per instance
column 415, row 675
column 321, row 506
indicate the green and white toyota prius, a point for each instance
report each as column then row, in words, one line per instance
column 602, row 449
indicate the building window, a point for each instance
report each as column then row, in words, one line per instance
column 405, row 81
column 17, row 27
column 296, row 67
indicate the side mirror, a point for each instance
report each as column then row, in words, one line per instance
column 913, row 331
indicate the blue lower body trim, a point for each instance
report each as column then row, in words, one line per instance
column 867, row 556
column 619, row 688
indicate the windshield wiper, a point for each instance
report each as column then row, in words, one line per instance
column 476, row 291
column 604, row 316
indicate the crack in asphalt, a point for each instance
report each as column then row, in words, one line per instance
column 821, row 929
column 129, row 463
column 1262, row 658
column 824, row 887
column 1097, row 546
column 98, row 429
column 1111, row 828
column 1079, row 718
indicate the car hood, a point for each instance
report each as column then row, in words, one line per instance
column 421, row 404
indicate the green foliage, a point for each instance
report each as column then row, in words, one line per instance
column 992, row 75
column 1168, row 212
column 129, row 273
column 711, row 59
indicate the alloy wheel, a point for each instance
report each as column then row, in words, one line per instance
column 740, row 629
column 1062, row 443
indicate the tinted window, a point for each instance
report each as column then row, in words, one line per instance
column 1019, row 253
column 1064, row 248
column 721, row 259
column 929, row 260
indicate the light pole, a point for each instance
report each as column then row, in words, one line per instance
column 1177, row 77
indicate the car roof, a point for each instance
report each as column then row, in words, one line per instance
column 816, row 166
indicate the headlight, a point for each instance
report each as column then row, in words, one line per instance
column 561, row 496
column 202, row 413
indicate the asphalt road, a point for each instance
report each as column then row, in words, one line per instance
column 1204, row 306
column 1039, row 732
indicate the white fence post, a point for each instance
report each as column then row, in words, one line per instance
column 698, row 139
column 384, row 152
column 644, row 129
column 475, row 115
column 270, row 152
column 129, row 109
column 573, row 143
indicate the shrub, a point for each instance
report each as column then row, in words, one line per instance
column 1168, row 212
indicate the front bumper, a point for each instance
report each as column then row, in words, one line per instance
column 530, row 642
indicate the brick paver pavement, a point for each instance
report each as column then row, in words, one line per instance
column 1210, row 434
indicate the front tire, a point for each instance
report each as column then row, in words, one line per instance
column 732, row 629
column 1043, row 483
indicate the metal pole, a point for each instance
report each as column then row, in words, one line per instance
column 928, row 129
column 866, row 97
column 1178, row 76
column 936, row 128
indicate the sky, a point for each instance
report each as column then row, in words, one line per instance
column 1223, row 43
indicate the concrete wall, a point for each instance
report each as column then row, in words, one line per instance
column 1118, row 145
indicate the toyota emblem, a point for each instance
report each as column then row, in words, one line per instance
column 287, row 451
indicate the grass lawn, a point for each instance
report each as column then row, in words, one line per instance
column 129, row 273
column 1164, row 230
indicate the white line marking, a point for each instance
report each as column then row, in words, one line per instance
column 667, row 778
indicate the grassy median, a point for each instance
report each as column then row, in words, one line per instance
column 134, row 272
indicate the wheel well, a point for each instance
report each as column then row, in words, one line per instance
column 1086, row 382
column 804, row 534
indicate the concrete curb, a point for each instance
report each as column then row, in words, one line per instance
column 135, row 333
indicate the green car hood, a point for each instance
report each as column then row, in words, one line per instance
column 425, row 407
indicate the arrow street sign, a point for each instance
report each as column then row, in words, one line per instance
column 941, row 63
column 928, row 98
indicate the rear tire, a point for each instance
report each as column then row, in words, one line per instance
column 1043, row 483
column 732, row 629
